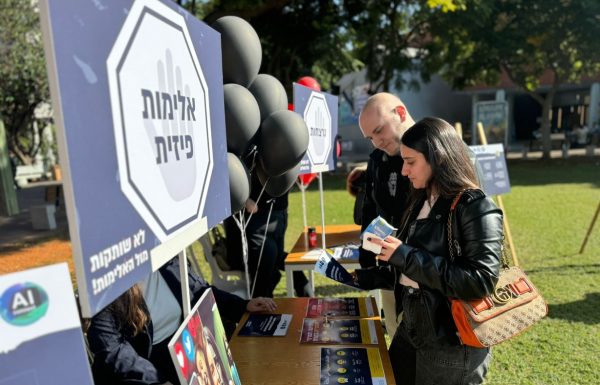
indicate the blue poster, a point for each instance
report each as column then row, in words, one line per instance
column 320, row 112
column 138, row 99
column 492, row 172
column 41, row 341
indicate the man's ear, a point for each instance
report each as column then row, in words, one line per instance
column 401, row 111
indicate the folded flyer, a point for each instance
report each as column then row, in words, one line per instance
column 329, row 267
column 378, row 228
column 338, row 331
column 351, row 366
column 266, row 325
column 340, row 307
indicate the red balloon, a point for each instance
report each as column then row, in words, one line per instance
column 309, row 82
column 291, row 106
column 305, row 179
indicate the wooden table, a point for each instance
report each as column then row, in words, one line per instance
column 284, row 360
column 335, row 235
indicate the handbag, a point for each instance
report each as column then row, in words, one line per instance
column 514, row 306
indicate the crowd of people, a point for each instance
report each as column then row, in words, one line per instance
column 415, row 172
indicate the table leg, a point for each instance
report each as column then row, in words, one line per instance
column 311, row 280
column 289, row 281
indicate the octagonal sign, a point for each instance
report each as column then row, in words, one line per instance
column 160, row 107
column 318, row 121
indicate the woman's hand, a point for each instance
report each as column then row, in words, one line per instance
column 261, row 304
column 388, row 246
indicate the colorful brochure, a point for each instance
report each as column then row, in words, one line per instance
column 199, row 348
column 340, row 307
column 332, row 269
column 266, row 325
column 351, row 366
column 338, row 331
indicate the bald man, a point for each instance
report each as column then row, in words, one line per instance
column 383, row 120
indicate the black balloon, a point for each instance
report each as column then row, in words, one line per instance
column 241, row 50
column 239, row 182
column 242, row 117
column 283, row 142
column 276, row 186
column 269, row 94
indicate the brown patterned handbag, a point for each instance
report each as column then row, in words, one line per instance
column 514, row 306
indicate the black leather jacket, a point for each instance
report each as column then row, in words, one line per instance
column 424, row 257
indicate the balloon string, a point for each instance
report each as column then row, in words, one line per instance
column 262, row 247
column 240, row 223
column 258, row 200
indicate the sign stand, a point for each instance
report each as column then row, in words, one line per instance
column 185, row 292
column 587, row 235
column 511, row 245
column 323, row 244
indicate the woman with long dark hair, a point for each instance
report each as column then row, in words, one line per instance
column 426, row 348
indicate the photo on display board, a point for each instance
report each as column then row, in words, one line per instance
column 199, row 348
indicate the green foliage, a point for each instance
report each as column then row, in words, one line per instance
column 23, row 80
column 525, row 39
column 298, row 38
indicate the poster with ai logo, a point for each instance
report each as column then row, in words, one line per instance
column 138, row 102
column 320, row 112
column 41, row 341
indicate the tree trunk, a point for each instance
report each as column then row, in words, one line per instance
column 545, row 123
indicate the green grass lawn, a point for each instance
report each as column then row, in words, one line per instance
column 549, row 209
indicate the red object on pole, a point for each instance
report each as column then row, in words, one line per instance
column 310, row 82
column 305, row 179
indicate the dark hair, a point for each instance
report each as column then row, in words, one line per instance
column 446, row 153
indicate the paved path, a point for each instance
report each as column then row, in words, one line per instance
column 17, row 231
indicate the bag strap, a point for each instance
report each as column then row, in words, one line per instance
column 451, row 239
column 453, row 243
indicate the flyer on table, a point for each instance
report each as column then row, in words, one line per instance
column 361, row 366
column 338, row 331
column 339, row 307
column 266, row 325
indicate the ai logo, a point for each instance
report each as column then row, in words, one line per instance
column 161, row 118
column 318, row 121
column 23, row 304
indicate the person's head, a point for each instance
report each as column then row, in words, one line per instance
column 436, row 158
column 383, row 120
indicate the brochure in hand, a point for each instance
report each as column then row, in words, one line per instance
column 339, row 307
column 338, row 331
column 329, row 267
column 351, row 366
column 378, row 228
column 266, row 325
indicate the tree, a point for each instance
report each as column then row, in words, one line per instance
column 298, row 37
column 23, row 79
column 523, row 38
